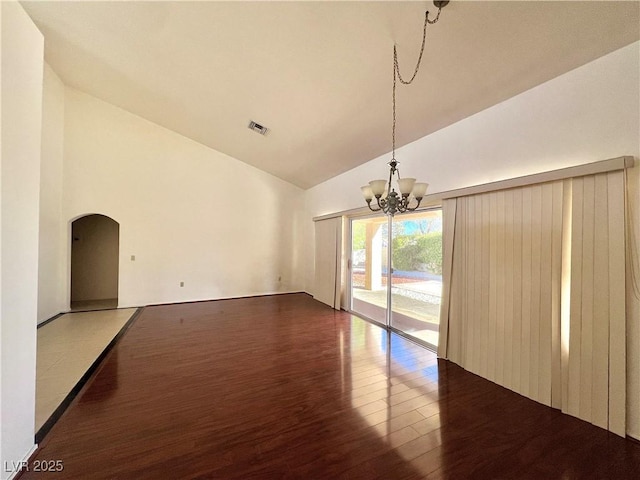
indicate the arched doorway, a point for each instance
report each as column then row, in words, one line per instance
column 95, row 243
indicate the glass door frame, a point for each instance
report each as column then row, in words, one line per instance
column 351, row 219
column 387, row 324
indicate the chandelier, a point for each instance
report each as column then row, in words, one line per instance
column 387, row 200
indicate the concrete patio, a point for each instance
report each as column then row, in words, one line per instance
column 416, row 307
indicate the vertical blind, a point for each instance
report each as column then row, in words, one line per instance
column 449, row 207
column 534, row 293
column 506, row 259
column 328, row 258
column 597, row 342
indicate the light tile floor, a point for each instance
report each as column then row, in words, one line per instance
column 67, row 347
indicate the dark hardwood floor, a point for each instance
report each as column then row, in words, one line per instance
column 285, row 387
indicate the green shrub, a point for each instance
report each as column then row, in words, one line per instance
column 359, row 236
column 418, row 252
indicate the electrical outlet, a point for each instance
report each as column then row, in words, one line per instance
column 182, row 284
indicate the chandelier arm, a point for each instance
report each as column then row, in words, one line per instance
column 416, row 207
column 371, row 208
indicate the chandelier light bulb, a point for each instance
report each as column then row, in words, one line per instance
column 378, row 187
column 405, row 185
column 419, row 190
column 367, row 193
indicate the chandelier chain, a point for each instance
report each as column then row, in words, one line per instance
column 397, row 75
column 387, row 200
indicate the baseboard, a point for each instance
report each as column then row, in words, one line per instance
column 49, row 320
column 58, row 315
column 200, row 300
column 272, row 294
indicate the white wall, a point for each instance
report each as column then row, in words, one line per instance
column 591, row 113
column 22, row 65
column 52, row 250
column 188, row 213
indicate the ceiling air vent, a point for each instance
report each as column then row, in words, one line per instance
column 256, row 127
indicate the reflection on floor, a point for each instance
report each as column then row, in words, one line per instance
column 67, row 347
column 416, row 317
column 89, row 305
column 426, row 335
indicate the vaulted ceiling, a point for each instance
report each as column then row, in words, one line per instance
column 318, row 74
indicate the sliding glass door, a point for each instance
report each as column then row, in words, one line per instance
column 416, row 274
column 396, row 272
column 369, row 240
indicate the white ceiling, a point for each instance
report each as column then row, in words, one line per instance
column 318, row 74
